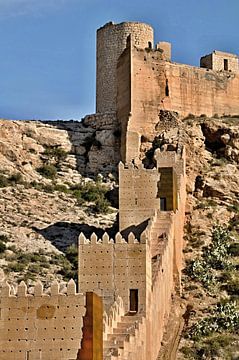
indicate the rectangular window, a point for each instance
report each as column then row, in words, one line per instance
column 226, row 64
column 133, row 300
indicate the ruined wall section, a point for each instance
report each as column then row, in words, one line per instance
column 41, row 326
column 219, row 60
column 111, row 267
column 111, row 42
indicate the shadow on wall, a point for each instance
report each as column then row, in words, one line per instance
column 137, row 230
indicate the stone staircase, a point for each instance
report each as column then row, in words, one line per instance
column 116, row 345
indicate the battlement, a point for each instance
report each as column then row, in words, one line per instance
column 106, row 240
column 41, row 325
column 22, row 291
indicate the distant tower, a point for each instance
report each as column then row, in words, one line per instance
column 111, row 42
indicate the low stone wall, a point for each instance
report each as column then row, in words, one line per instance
column 41, row 326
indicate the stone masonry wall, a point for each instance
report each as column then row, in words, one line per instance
column 112, row 267
column 157, row 85
column 41, row 326
column 111, row 42
column 137, row 194
column 215, row 61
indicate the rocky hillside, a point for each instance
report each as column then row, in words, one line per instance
column 45, row 202
column 210, row 280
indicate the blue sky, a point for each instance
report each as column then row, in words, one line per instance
column 47, row 59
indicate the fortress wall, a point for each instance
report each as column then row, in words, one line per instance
column 178, row 162
column 162, row 289
column 113, row 267
column 111, row 42
column 41, row 326
column 137, row 195
column 159, row 84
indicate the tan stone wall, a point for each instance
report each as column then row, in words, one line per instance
column 137, row 194
column 113, row 267
column 215, row 61
column 111, row 42
column 190, row 90
column 41, row 326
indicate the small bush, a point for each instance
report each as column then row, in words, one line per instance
column 2, row 247
column 57, row 153
column 234, row 249
column 48, row 171
column 16, row 178
column 4, row 238
column 101, row 205
column 3, row 181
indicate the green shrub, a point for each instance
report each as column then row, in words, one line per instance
column 15, row 267
column 101, row 205
column 4, row 238
column 224, row 317
column 48, row 171
column 3, row 181
column 16, row 178
column 55, row 152
column 2, row 247
column 234, row 249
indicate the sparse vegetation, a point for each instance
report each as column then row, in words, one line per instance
column 214, row 257
column 48, row 171
column 13, row 179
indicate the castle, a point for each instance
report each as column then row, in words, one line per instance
column 126, row 284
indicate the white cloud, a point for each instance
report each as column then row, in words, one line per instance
column 25, row 7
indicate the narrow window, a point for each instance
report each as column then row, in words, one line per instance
column 226, row 64
column 163, row 205
column 133, row 300
column 149, row 45
column 166, row 88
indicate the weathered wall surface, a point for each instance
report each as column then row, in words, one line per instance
column 41, row 326
column 111, row 42
column 161, row 85
column 111, row 268
column 138, row 190
column 219, row 61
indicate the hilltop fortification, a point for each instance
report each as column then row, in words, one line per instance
column 127, row 282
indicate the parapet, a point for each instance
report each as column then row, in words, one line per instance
column 41, row 325
column 54, row 290
column 220, row 61
column 106, row 240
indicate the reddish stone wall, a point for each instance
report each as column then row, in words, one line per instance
column 189, row 90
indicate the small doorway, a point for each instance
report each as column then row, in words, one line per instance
column 226, row 64
column 163, row 204
column 133, row 300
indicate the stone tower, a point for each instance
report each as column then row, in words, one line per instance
column 111, row 42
